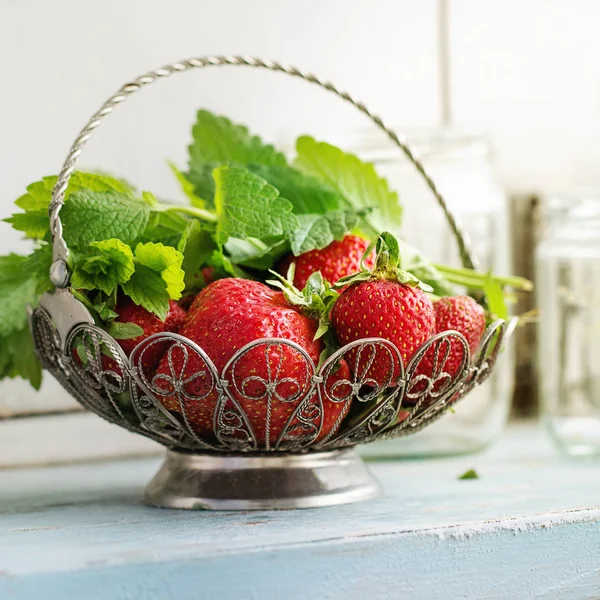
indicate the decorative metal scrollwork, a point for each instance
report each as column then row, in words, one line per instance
column 360, row 394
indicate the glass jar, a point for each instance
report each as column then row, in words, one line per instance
column 568, row 296
column 460, row 165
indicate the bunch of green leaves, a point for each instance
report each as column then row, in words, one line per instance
column 267, row 206
column 106, row 226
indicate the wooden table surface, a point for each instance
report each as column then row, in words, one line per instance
column 529, row 527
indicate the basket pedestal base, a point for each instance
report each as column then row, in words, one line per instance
column 241, row 482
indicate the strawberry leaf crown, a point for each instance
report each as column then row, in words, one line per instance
column 387, row 265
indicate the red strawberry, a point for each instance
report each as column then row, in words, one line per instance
column 387, row 303
column 385, row 309
column 335, row 261
column 151, row 324
column 465, row 315
column 226, row 315
column 458, row 313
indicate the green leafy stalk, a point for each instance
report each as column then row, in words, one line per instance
column 475, row 280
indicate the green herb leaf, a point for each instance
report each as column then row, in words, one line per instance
column 354, row 179
column 33, row 224
column 188, row 187
column 18, row 357
column 201, row 177
column 256, row 254
column 166, row 261
column 37, row 264
column 218, row 140
column 470, row 474
column 197, row 246
column 149, row 290
column 124, row 331
column 318, row 231
column 17, row 292
column 164, row 227
column 494, row 295
column 248, row 206
column 307, row 194
column 106, row 265
column 158, row 278
column 95, row 216
column 39, row 193
column 34, row 221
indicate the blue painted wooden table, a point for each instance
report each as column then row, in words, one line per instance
column 529, row 527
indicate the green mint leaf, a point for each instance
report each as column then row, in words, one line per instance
column 148, row 289
column 494, row 295
column 106, row 265
column 187, row 187
column 248, row 206
column 318, row 231
column 307, row 194
column 158, row 278
column 224, row 266
column 165, row 227
column 94, row 216
column 125, row 331
column 165, row 261
column 354, row 179
column 197, row 246
column 470, row 474
column 34, row 224
column 99, row 309
column 35, row 202
column 216, row 139
column 201, row 177
column 25, row 359
column 149, row 198
column 256, row 254
column 17, row 292
column 37, row 264
column 39, row 193
column 18, row 357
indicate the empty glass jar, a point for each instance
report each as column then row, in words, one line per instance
column 568, row 296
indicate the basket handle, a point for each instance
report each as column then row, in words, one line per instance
column 59, row 270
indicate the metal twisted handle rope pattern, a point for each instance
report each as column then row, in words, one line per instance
column 59, row 271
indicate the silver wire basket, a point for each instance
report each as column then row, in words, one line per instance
column 234, row 465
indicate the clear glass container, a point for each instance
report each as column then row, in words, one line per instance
column 568, row 296
column 461, row 167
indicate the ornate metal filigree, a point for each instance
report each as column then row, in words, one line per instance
column 270, row 396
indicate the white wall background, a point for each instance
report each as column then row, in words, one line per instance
column 526, row 71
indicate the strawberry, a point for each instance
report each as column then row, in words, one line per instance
column 458, row 313
column 465, row 315
column 335, row 261
column 151, row 324
column 227, row 315
column 386, row 303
